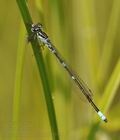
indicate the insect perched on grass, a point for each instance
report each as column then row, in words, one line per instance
column 38, row 33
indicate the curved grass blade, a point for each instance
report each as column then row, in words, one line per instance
column 42, row 71
column 111, row 88
column 108, row 97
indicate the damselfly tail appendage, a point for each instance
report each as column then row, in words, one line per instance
column 37, row 31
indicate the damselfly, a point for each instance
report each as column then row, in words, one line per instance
column 37, row 32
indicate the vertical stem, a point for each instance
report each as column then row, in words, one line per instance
column 42, row 71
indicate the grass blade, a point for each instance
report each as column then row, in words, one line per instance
column 42, row 71
column 108, row 44
column 111, row 88
column 89, row 39
column 18, row 82
column 107, row 98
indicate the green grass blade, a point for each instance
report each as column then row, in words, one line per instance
column 42, row 71
column 93, row 131
column 107, row 98
column 109, row 42
column 114, row 82
column 18, row 82
column 89, row 39
column 111, row 88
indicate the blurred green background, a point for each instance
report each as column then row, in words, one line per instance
column 87, row 34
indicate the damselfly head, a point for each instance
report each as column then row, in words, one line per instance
column 36, row 27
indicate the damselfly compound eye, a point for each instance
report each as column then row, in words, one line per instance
column 35, row 27
column 40, row 25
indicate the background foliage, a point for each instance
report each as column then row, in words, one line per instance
column 86, row 32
